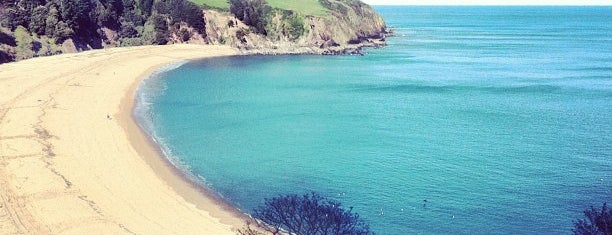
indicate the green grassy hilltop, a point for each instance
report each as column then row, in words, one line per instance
column 305, row 7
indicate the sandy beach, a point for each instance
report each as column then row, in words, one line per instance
column 72, row 160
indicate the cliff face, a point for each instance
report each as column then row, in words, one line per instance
column 346, row 28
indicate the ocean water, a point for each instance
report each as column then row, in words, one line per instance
column 499, row 117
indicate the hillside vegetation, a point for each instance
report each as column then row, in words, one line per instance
column 31, row 28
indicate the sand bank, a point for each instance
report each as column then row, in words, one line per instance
column 72, row 160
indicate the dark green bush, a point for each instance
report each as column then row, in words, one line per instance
column 309, row 214
column 254, row 13
column 294, row 26
column 183, row 11
column 597, row 222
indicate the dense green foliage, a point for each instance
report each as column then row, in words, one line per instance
column 294, row 26
column 259, row 14
column 88, row 22
column 597, row 222
column 309, row 214
column 24, row 43
column 252, row 12
column 286, row 24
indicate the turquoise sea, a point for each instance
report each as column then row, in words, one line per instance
column 499, row 117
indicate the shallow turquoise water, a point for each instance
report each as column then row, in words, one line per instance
column 501, row 118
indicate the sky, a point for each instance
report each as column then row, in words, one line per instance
column 488, row 2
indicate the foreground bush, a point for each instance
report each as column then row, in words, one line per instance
column 309, row 214
column 597, row 222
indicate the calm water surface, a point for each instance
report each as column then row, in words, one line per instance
column 499, row 117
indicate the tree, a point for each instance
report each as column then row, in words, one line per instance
column 252, row 12
column 51, row 22
column 38, row 20
column 146, row 6
column 596, row 223
column 127, row 30
column 24, row 43
column 77, row 14
column 183, row 11
column 190, row 13
column 131, row 14
column 29, row 5
column 294, row 26
column 62, row 32
column 15, row 17
column 109, row 13
column 309, row 214
column 156, row 30
column 161, row 29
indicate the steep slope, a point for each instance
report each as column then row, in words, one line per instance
column 346, row 27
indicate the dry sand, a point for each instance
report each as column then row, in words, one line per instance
column 65, row 168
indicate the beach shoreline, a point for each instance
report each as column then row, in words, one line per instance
column 150, row 150
column 73, row 160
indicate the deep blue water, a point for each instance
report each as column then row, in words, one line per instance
column 499, row 117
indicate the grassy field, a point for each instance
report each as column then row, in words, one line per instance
column 223, row 4
column 305, row 7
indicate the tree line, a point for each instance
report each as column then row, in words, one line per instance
column 30, row 28
column 49, row 23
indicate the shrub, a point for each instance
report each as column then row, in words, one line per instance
column 24, row 43
column 254, row 13
column 62, row 32
column 127, row 30
column 597, row 222
column 309, row 214
column 161, row 30
column 51, row 22
column 241, row 35
column 183, row 11
column 76, row 13
column 47, row 47
column 7, row 54
column 127, row 42
column 38, row 20
column 184, row 34
column 7, row 39
column 15, row 17
column 294, row 26
column 156, row 30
